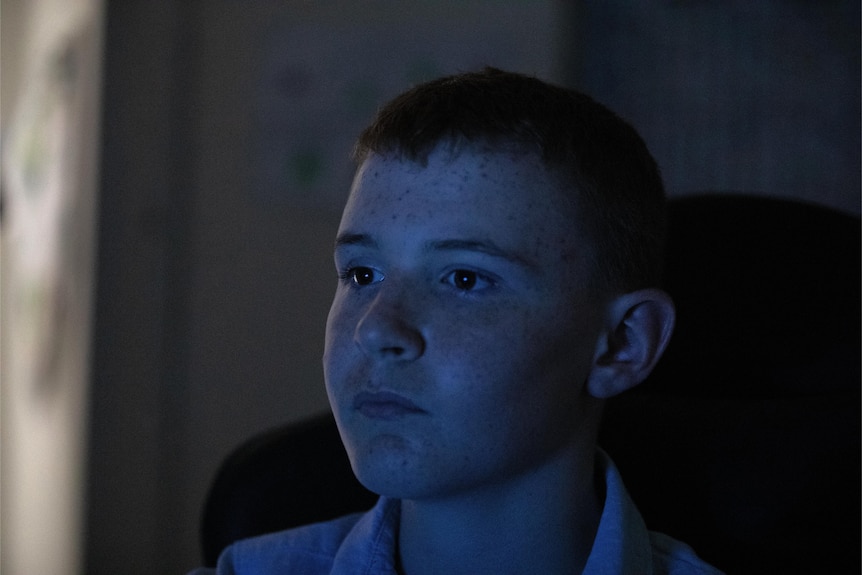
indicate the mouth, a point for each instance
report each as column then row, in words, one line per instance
column 385, row 405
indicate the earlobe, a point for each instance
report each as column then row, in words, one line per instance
column 638, row 327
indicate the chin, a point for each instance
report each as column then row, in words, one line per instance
column 393, row 475
column 389, row 484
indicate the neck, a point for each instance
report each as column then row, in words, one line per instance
column 542, row 521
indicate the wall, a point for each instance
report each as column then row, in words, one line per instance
column 760, row 97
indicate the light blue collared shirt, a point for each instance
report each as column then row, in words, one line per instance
column 364, row 543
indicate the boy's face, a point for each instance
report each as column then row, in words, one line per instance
column 462, row 330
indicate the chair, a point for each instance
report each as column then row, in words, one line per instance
column 290, row 476
column 744, row 442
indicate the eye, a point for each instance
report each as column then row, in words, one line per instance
column 362, row 276
column 467, row 280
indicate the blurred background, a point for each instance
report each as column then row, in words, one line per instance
column 172, row 177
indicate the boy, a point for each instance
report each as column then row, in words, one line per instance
column 497, row 261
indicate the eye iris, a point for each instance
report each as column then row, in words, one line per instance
column 464, row 280
column 363, row 276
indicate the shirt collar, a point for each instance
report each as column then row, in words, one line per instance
column 369, row 548
column 621, row 545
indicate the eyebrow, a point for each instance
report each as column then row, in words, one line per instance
column 351, row 239
column 486, row 247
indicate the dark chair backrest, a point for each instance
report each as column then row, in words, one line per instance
column 744, row 442
column 291, row 476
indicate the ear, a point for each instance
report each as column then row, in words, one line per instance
column 638, row 327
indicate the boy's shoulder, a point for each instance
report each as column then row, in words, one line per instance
column 308, row 548
column 336, row 546
column 673, row 557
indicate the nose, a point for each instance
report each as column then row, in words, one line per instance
column 388, row 330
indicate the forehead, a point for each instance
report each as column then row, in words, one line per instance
column 481, row 185
column 504, row 199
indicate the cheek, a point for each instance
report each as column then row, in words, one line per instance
column 341, row 321
column 339, row 335
column 490, row 352
column 522, row 360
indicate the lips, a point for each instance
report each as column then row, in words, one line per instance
column 385, row 405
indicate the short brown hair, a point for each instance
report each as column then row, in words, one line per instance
column 618, row 184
